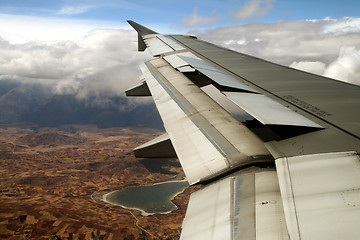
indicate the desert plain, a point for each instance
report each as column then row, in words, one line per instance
column 52, row 182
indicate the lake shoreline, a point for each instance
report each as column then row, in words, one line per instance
column 100, row 197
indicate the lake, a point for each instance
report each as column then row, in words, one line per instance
column 150, row 199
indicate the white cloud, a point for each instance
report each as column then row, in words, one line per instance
column 313, row 67
column 104, row 63
column 195, row 20
column 346, row 66
column 22, row 29
column 241, row 41
column 73, row 10
column 90, row 60
column 302, row 44
column 347, row 25
column 253, row 8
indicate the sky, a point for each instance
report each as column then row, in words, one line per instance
column 64, row 19
column 86, row 48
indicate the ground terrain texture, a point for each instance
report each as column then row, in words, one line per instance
column 52, row 180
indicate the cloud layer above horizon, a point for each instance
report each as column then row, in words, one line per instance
column 329, row 47
column 105, row 62
column 102, row 64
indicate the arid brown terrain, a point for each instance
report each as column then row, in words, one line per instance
column 51, row 180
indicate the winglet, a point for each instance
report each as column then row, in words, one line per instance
column 140, row 28
column 141, row 31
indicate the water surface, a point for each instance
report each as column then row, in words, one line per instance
column 151, row 199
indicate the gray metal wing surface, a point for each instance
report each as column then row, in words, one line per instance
column 292, row 172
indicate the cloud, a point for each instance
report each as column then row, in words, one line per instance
column 313, row 67
column 253, row 8
column 103, row 64
column 22, row 29
column 347, row 25
column 74, row 10
column 308, row 45
column 346, row 66
column 90, row 60
column 195, row 20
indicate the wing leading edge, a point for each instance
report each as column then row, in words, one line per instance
column 290, row 173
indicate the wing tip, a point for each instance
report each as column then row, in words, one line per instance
column 142, row 30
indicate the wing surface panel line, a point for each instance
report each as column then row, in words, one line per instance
column 189, row 110
column 267, row 91
column 166, row 43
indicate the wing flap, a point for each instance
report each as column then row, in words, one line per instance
column 209, row 213
column 321, row 195
column 207, row 139
column 245, row 205
column 269, row 214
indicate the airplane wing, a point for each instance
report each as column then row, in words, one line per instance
column 292, row 172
